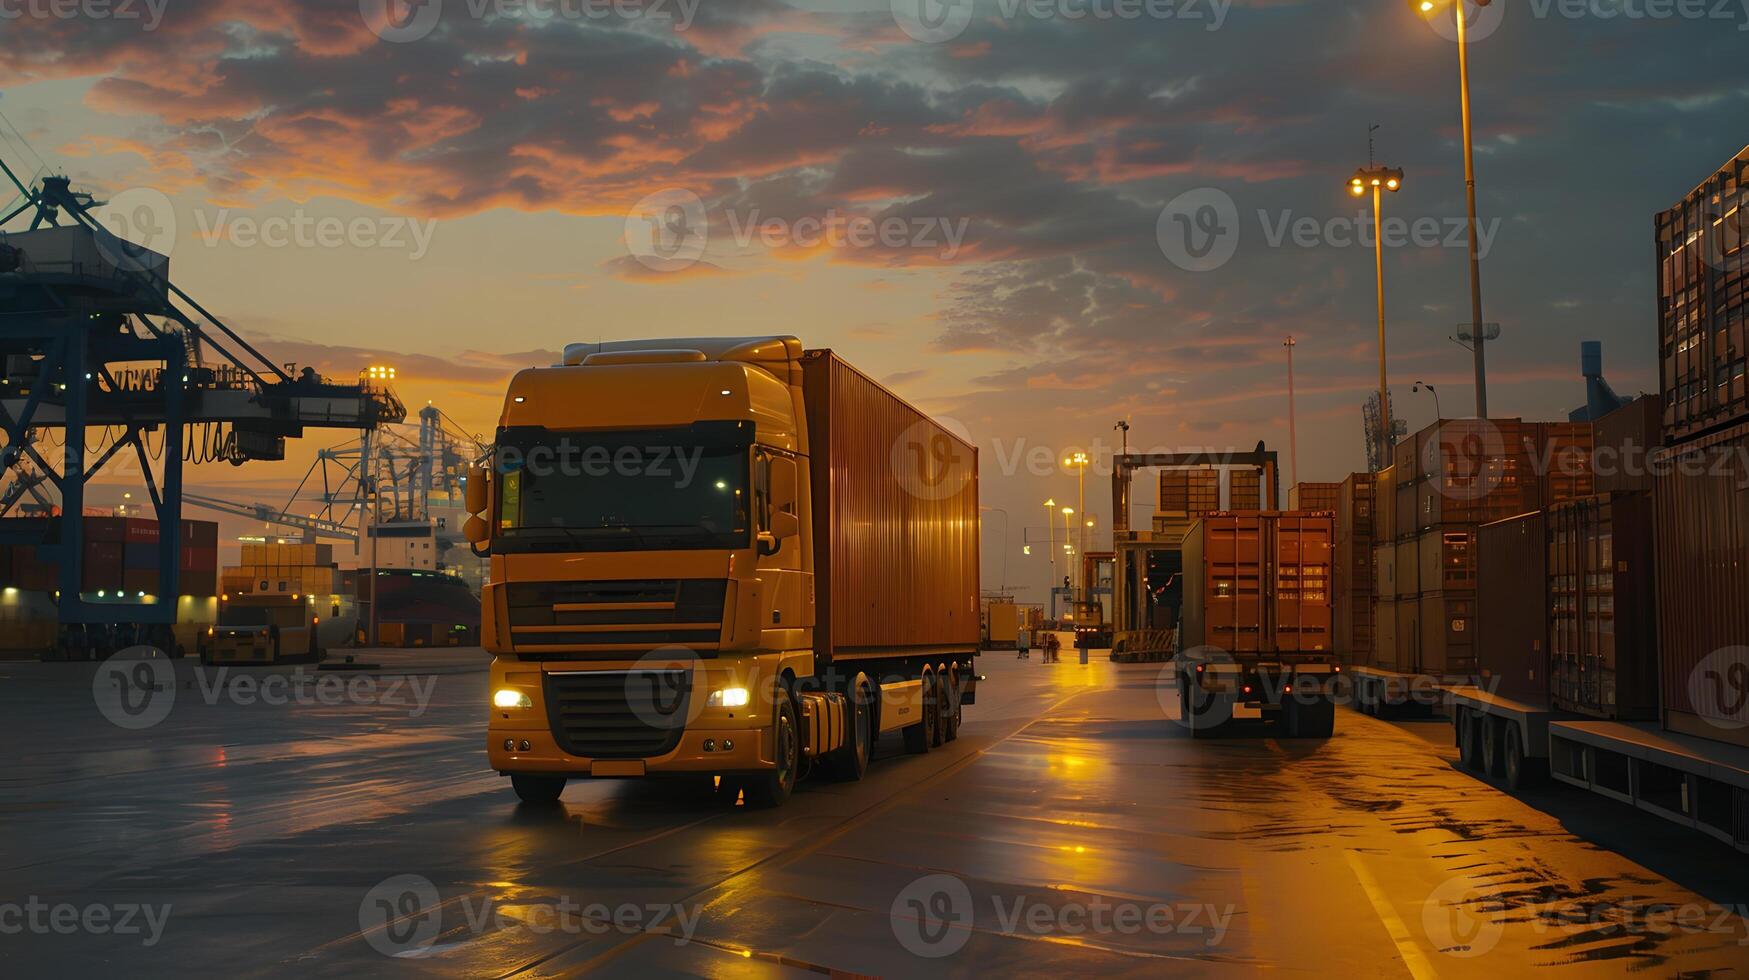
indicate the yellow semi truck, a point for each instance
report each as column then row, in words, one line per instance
column 721, row 558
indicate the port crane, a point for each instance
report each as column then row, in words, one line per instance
column 94, row 335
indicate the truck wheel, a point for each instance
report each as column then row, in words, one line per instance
column 1521, row 770
column 951, row 719
column 1469, row 740
column 538, row 789
column 942, row 708
column 773, row 789
column 919, row 737
column 1193, row 708
column 1492, row 734
column 851, row 761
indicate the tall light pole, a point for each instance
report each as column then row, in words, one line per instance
column 1293, row 442
column 1051, row 529
column 1080, row 461
column 1380, row 179
column 1477, row 329
column 1069, row 549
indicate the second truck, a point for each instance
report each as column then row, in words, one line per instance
column 727, row 559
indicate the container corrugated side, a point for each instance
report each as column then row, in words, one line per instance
column 1512, row 608
column 1702, row 581
column 895, row 519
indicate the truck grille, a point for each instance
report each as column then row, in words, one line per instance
column 620, row 616
column 618, row 714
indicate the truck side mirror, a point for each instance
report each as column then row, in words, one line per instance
column 785, row 524
column 476, row 530
column 477, row 496
column 784, row 477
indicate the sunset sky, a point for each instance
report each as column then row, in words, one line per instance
column 1052, row 143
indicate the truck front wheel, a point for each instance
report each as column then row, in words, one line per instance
column 538, row 789
column 851, row 761
column 772, row 789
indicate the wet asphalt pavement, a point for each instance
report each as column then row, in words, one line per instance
column 264, row 829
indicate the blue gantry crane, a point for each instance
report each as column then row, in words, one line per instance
column 95, row 336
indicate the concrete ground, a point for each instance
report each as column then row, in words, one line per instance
column 344, row 823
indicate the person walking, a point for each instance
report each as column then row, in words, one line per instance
column 1020, row 644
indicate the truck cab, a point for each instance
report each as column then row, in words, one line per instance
column 261, row 629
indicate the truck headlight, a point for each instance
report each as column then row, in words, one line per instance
column 510, row 697
column 728, row 697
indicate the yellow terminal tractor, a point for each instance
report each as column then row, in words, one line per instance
column 721, row 557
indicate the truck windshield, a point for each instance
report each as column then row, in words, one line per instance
column 624, row 490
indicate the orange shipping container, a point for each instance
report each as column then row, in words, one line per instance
column 895, row 519
column 1259, row 582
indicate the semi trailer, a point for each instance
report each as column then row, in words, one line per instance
column 731, row 560
column 1256, row 631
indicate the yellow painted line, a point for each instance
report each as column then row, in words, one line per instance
column 1413, row 958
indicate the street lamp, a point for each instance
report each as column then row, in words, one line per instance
column 1080, row 461
column 1476, row 328
column 1439, row 416
column 1379, row 180
column 1051, row 529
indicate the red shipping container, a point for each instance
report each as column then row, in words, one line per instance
column 101, row 569
column 1702, row 582
column 895, row 519
column 1512, row 607
column 1259, row 582
column 1603, row 657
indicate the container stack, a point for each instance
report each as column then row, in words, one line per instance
column 272, row 568
column 1313, row 496
column 1445, row 483
column 120, row 557
column 1353, row 568
column 1702, row 508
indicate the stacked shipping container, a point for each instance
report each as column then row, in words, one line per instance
column 1702, row 504
column 120, row 556
column 1353, row 568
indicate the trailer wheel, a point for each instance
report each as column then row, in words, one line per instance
column 1469, row 738
column 1193, row 708
column 851, row 761
column 773, row 789
column 1493, row 733
column 538, row 789
column 920, row 736
column 943, row 708
column 955, row 709
column 1314, row 719
column 1522, row 771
